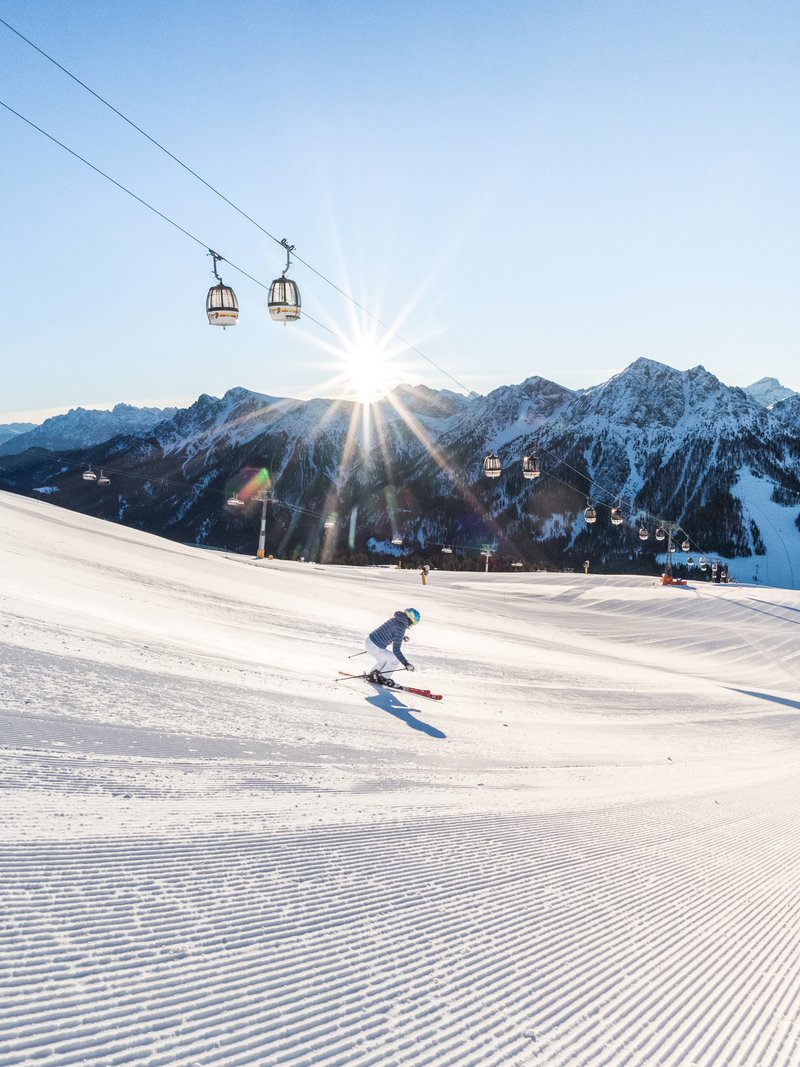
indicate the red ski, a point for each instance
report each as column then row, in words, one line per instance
column 401, row 688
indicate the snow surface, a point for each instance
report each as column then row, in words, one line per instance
column 776, row 524
column 779, row 565
column 212, row 853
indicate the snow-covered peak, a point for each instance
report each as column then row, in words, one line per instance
column 240, row 415
column 420, row 400
column 506, row 414
column 768, row 392
column 545, row 392
column 648, row 367
column 649, row 395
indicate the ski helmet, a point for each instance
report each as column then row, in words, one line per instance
column 412, row 615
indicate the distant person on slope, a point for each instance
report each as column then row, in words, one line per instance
column 392, row 632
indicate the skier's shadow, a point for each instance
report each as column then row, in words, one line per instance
column 387, row 701
column 766, row 696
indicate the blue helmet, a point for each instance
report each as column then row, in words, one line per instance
column 412, row 615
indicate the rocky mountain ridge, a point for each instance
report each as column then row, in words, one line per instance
column 10, row 430
column 660, row 444
column 82, row 427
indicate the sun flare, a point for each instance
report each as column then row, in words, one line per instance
column 367, row 371
column 366, row 364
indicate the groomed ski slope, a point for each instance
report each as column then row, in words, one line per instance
column 213, row 854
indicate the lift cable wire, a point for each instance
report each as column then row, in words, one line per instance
column 230, row 203
column 113, row 181
column 138, row 129
column 169, row 482
column 150, row 207
column 643, row 515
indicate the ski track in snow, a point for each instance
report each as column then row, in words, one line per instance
column 587, row 854
column 567, row 939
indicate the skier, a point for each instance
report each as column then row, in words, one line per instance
column 392, row 632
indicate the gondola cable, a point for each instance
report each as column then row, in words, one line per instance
column 89, row 475
column 150, row 207
column 138, row 129
column 230, row 203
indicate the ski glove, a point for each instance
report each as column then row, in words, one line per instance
column 409, row 666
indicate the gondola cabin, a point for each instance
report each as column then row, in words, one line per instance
column 492, row 467
column 284, row 300
column 661, row 534
column 530, row 467
column 617, row 518
column 590, row 515
column 89, row 475
column 103, row 479
column 222, row 307
column 234, row 502
column 644, row 533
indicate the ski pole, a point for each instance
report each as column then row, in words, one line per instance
column 358, row 654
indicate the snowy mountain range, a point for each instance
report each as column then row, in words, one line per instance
column 80, row 428
column 10, row 430
column 660, row 444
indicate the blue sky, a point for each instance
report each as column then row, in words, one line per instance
column 518, row 188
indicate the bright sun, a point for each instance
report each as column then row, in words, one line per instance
column 366, row 367
column 365, row 362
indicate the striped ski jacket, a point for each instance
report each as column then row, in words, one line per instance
column 392, row 633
